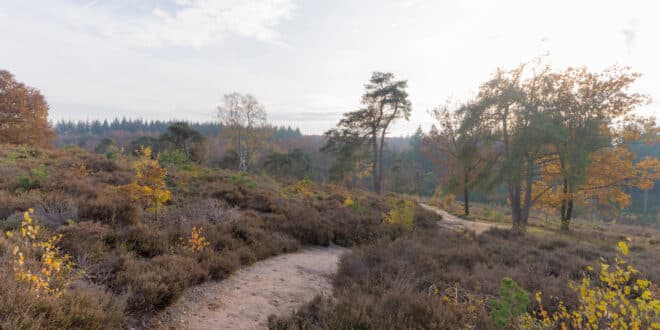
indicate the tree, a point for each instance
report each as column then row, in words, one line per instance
column 384, row 101
column 348, row 148
column 23, row 113
column 244, row 117
column 501, row 98
column 587, row 157
column 149, row 185
column 562, row 136
column 184, row 138
column 294, row 164
column 465, row 152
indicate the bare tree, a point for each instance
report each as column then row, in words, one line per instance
column 244, row 118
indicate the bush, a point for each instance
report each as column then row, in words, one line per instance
column 155, row 284
column 220, row 266
column 511, row 304
column 32, row 179
column 81, row 307
column 144, row 240
column 109, row 207
column 390, row 310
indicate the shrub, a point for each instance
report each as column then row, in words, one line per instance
column 511, row 304
column 154, row 284
column 81, row 307
column 38, row 262
column 220, row 266
column 109, row 207
column 32, row 179
column 56, row 210
column 402, row 213
column 617, row 298
column 144, row 240
column 243, row 179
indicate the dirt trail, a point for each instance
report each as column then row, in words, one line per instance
column 245, row 300
column 456, row 223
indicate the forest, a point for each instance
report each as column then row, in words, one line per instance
column 531, row 205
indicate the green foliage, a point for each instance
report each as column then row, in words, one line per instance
column 294, row 164
column 511, row 304
column 33, row 179
column 243, row 179
column 175, row 158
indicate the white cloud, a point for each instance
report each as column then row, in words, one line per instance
column 198, row 23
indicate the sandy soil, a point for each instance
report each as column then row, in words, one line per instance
column 245, row 300
column 456, row 223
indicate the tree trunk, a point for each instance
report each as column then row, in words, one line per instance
column 374, row 163
column 466, row 193
column 527, row 203
column 566, row 208
column 380, row 161
column 518, row 226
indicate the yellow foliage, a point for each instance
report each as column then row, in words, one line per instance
column 402, row 213
column 348, row 202
column 149, row 185
column 197, row 242
column 618, row 298
column 303, row 187
column 54, row 269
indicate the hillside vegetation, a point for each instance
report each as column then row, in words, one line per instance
column 125, row 263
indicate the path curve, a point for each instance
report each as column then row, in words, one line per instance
column 453, row 222
column 276, row 285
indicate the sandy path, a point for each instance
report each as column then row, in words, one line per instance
column 456, row 223
column 245, row 300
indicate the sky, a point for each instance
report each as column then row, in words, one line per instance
column 305, row 60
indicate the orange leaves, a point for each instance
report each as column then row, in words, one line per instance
column 610, row 171
column 23, row 113
column 197, row 242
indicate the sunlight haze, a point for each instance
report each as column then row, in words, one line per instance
column 305, row 60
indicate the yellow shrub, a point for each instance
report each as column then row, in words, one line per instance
column 349, row 202
column 402, row 213
column 54, row 269
column 197, row 241
column 619, row 298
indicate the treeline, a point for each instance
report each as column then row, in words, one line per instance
column 98, row 127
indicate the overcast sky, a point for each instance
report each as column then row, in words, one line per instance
column 306, row 60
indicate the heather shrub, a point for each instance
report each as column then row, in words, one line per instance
column 109, row 207
column 450, row 267
column 220, row 266
column 144, row 240
column 81, row 307
column 56, row 210
column 156, row 283
column 391, row 310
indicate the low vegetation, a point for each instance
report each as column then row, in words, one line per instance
column 441, row 279
column 109, row 242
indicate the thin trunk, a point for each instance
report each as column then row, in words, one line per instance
column 466, row 193
column 516, row 215
column 527, row 203
column 566, row 207
column 374, row 164
column 513, row 187
column 380, row 161
column 645, row 199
